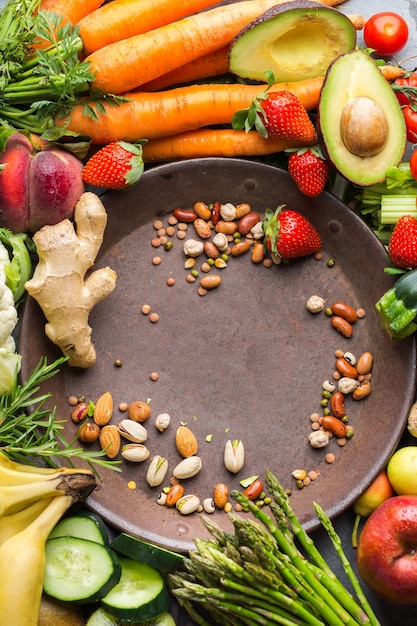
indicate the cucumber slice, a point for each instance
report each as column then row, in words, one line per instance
column 83, row 524
column 101, row 618
column 140, row 594
column 79, row 570
column 155, row 556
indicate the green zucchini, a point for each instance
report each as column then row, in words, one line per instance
column 84, row 524
column 145, row 552
column 397, row 307
column 79, row 570
column 140, row 594
column 101, row 618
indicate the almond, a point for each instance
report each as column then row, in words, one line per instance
column 186, row 442
column 103, row 409
column 110, row 440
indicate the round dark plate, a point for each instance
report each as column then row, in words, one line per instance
column 247, row 361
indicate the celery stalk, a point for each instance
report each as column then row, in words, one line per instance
column 396, row 206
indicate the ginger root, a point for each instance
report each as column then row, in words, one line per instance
column 59, row 285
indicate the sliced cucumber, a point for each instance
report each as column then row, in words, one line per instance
column 84, row 524
column 155, row 556
column 79, row 570
column 101, row 618
column 140, row 594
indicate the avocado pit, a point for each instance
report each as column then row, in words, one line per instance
column 363, row 126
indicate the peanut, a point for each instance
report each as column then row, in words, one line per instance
column 228, row 228
column 210, row 282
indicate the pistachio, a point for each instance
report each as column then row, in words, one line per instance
column 234, row 455
column 187, row 468
column 135, row 452
column 162, row 421
column 188, row 504
column 133, row 431
column 156, row 471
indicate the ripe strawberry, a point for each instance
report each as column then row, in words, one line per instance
column 277, row 114
column 118, row 165
column 309, row 170
column 402, row 246
column 289, row 234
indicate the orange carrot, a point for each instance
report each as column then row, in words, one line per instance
column 121, row 19
column 128, row 64
column 207, row 142
column 210, row 65
column 391, row 72
column 148, row 115
column 70, row 10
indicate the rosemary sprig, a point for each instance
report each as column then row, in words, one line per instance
column 30, row 432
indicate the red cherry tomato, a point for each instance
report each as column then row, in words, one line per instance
column 386, row 33
column 413, row 164
column 409, row 81
column 410, row 117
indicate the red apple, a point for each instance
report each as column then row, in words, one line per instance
column 37, row 187
column 387, row 551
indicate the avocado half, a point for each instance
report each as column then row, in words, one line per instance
column 360, row 122
column 295, row 40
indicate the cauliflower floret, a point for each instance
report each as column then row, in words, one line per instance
column 8, row 312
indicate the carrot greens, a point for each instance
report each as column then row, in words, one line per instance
column 41, row 74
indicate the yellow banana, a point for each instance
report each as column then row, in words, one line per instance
column 22, row 467
column 22, row 563
column 12, row 524
column 14, row 498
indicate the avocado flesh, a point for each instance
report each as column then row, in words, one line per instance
column 294, row 40
column 353, row 75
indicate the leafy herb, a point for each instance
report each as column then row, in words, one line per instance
column 30, row 431
column 37, row 83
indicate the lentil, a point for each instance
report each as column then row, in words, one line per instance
column 123, row 406
column 73, row 400
column 131, row 485
column 146, row 309
column 156, row 242
column 154, row 376
column 330, row 457
column 158, row 224
column 157, row 260
column 170, row 281
column 154, row 318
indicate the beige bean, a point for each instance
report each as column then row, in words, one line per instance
column 202, row 229
column 210, row 282
column 240, row 248
column 365, row 363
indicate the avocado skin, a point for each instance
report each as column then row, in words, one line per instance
column 350, row 75
column 295, row 40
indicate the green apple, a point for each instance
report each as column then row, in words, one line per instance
column 402, row 471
